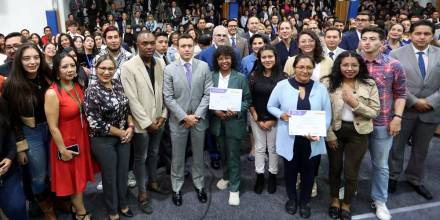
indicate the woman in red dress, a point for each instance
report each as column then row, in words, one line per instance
column 70, row 158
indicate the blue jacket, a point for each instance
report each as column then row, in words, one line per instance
column 350, row 41
column 247, row 64
column 284, row 97
column 207, row 55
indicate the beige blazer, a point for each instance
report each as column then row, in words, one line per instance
column 368, row 97
column 145, row 103
column 326, row 66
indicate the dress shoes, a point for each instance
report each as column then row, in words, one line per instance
column 291, row 206
column 345, row 214
column 334, row 212
column 127, row 213
column 156, row 187
column 421, row 190
column 305, row 211
column 215, row 164
column 392, row 185
column 201, row 195
column 177, row 198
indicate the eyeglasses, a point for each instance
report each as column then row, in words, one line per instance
column 109, row 69
column 221, row 35
column 14, row 46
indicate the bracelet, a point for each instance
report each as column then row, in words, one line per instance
column 396, row 115
column 131, row 126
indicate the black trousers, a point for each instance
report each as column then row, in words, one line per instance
column 303, row 165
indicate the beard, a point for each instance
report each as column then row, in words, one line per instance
column 115, row 50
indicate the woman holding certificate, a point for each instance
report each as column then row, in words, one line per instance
column 355, row 102
column 229, row 127
column 263, row 79
column 70, row 160
column 300, row 153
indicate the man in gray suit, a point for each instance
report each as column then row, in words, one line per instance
column 186, row 94
column 422, row 111
column 234, row 40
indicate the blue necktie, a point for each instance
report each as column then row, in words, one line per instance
column 331, row 54
column 422, row 64
column 234, row 45
column 188, row 74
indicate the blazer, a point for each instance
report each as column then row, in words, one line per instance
column 326, row 67
column 242, row 45
column 145, row 103
column 207, row 55
column 234, row 127
column 284, row 98
column 180, row 99
column 350, row 41
column 428, row 89
column 367, row 96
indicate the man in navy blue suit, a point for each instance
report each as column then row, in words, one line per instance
column 350, row 40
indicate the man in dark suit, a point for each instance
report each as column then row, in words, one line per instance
column 201, row 27
column 252, row 27
column 350, row 41
column 422, row 111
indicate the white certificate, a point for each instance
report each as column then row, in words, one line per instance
column 225, row 99
column 303, row 122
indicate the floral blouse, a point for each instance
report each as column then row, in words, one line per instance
column 106, row 107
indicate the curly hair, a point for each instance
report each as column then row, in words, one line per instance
column 225, row 51
column 336, row 77
column 318, row 51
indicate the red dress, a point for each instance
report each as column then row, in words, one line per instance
column 71, row 177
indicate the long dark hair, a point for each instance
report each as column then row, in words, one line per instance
column 258, row 70
column 56, row 68
column 59, row 47
column 318, row 51
column 225, row 51
column 19, row 91
column 336, row 76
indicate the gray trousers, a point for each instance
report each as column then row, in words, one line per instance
column 179, row 140
column 113, row 157
column 421, row 134
column 146, row 150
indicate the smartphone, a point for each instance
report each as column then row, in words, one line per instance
column 73, row 147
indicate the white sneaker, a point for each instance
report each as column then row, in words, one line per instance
column 234, row 198
column 314, row 189
column 382, row 211
column 222, row 184
column 131, row 182
column 99, row 186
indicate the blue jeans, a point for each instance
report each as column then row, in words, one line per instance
column 380, row 143
column 12, row 200
column 38, row 156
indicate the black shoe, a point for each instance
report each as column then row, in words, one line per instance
column 291, row 206
column 345, row 215
column 259, row 183
column 127, row 213
column 177, row 198
column 201, row 195
column 215, row 164
column 145, row 206
column 334, row 212
column 304, row 210
column 392, row 185
column 272, row 183
column 421, row 190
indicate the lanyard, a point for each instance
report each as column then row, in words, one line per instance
column 76, row 99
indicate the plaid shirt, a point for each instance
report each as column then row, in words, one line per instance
column 391, row 82
column 120, row 59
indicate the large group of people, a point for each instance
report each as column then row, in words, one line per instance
column 127, row 96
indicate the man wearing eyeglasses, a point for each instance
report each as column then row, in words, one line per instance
column 350, row 41
column 12, row 42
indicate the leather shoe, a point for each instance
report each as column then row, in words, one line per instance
column 156, row 187
column 177, row 198
column 304, row 210
column 127, row 213
column 392, row 185
column 201, row 195
column 215, row 164
column 334, row 212
column 345, row 215
column 291, row 206
column 421, row 190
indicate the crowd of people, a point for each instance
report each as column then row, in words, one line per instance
column 121, row 96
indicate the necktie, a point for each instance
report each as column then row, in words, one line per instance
column 165, row 59
column 234, row 45
column 421, row 64
column 188, row 73
column 331, row 54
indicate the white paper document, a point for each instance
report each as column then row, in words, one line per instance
column 303, row 122
column 225, row 99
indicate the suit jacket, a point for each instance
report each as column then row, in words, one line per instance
column 242, row 45
column 145, row 103
column 234, row 127
column 180, row 99
column 207, row 55
column 428, row 89
column 350, row 41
